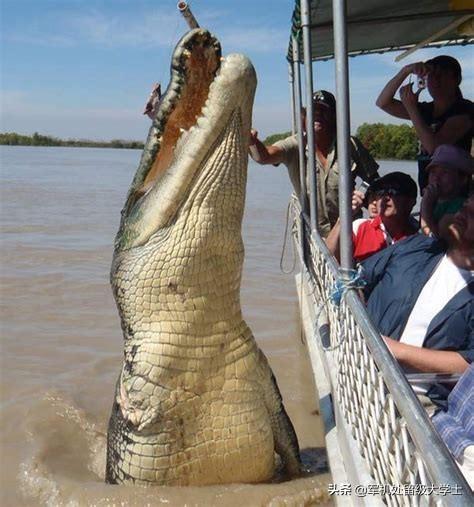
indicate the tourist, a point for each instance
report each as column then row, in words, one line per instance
column 395, row 195
column 448, row 119
column 327, row 168
column 419, row 294
column 449, row 172
column 456, row 424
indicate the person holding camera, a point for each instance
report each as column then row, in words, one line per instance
column 447, row 119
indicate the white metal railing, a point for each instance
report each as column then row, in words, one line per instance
column 403, row 453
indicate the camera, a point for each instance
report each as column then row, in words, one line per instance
column 363, row 187
column 421, row 83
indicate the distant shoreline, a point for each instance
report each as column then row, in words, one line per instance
column 383, row 141
column 124, row 147
column 14, row 139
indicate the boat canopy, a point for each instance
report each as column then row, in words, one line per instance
column 378, row 26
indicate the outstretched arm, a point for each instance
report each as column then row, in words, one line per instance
column 386, row 100
column 264, row 154
column 427, row 360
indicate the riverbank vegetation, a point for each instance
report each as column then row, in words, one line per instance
column 384, row 141
column 275, row 137
column 14, row 139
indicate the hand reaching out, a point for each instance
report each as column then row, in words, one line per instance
column 253, row 137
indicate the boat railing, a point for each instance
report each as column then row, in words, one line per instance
column 372, row 401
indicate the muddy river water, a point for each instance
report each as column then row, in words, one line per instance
column 61, row 344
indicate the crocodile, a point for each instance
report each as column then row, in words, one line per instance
column 196, row 402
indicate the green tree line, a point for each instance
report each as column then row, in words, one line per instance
column 384, row 141
column 14, row 139
column 276, row 137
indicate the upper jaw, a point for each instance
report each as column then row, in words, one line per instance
column 194, row 65
column 203, row 93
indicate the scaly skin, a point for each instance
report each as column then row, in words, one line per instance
column 196, row 402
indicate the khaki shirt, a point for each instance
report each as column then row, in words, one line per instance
column 327, row 180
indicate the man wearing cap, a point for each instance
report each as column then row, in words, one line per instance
column 448, row 119
column 395, row 195
column 327, row 169
column 419, row 294
column 449, row 173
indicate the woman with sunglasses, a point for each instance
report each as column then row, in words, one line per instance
column 447, row 119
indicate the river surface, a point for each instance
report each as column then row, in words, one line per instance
column 61, row 343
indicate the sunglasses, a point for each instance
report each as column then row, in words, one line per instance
column 389, row 191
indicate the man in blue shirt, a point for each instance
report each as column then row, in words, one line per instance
column 456, row 424
column 420, row 296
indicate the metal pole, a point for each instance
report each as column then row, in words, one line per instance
column 183, row 7
column 292, row 98
column 308, row 67
column 343, row 131
column 299, row 124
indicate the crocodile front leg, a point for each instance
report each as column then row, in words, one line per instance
column 284, row 435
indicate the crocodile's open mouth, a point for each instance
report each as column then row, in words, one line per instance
column 204, row 102
column 194, row 67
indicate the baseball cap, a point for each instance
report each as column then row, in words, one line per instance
column 401, row 182
column 453, row 157
column 325, row 97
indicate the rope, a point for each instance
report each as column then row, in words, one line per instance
column 350, row 279
column 285, row 241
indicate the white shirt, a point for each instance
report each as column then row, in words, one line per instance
column 445, row 282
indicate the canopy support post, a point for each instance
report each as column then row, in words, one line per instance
column 291, row 81
column 308, row 67
column 299, row 124
column 343, row 132
column 299, row 135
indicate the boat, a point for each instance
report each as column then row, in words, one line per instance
column 382, row 447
